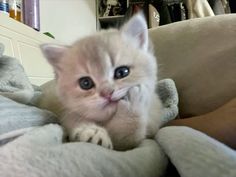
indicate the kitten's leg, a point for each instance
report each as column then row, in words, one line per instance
column 141, row 104
column 128, row 127
column 90, row 132
column 135, row 101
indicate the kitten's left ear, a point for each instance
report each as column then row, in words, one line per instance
column 136, row 28
column 53, row 53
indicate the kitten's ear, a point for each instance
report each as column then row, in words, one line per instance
column 136, row 28
column 53, row 53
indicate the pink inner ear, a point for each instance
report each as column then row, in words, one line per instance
column 53, row 53
column 136, row 28
column 141, row 39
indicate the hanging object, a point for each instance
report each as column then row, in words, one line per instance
column 31, row 13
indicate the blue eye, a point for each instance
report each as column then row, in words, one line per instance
column 121, row 72
column 86, row 83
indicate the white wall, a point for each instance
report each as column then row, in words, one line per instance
column 68, row 20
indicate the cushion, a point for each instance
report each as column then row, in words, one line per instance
column 195, row 154
column 199, row 55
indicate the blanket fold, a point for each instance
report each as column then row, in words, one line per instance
column 195, row 154
column 14, row 83
column 41, row 152
column 32, row 144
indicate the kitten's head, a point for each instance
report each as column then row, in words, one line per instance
column 97, row 72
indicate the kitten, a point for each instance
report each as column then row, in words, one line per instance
column 106, row 82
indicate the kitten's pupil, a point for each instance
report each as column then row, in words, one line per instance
column 121, row 72
column 86, row 83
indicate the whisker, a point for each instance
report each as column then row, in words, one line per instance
column 120, row 93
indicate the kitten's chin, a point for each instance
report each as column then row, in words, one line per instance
column 104, row 114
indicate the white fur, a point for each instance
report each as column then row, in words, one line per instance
column 89, row 132
column 135, row 111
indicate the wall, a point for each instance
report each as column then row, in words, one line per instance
column 68, row 20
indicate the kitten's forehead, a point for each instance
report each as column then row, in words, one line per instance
column 95, row 54
column 94, row 47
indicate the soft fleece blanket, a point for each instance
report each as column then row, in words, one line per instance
column 32, row 144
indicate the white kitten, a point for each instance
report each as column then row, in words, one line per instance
column 106, row 82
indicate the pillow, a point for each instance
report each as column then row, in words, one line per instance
column 219, row 124
column 199, row 55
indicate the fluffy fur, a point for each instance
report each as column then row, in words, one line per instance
column 133, row 109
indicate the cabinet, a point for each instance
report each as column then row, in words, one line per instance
column 22, row 42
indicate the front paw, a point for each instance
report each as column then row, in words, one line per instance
column 134, row 99
column 93, row 134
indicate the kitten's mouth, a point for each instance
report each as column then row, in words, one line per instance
column 113, row 102
column 119, row 95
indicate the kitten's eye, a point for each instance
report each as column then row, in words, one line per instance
column 121, row 72
column 86, row 83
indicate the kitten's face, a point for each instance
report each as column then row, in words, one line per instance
column 97, row 72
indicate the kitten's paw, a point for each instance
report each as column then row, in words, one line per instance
column 136, row 98
column 134, row 94
column 93, row 134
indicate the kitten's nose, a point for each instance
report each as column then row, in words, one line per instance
column 107, row 93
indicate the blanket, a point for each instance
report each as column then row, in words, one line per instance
column 14, row 83
column 195, row 154
column 41, row 152
column 33, row 144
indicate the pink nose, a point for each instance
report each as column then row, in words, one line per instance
column 106, row 94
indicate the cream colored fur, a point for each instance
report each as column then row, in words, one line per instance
column 84, row 113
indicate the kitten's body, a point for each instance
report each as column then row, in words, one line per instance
column 115, row 112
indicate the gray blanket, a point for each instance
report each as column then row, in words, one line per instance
column 32, row 144
column 13, row 81
column 31, row 147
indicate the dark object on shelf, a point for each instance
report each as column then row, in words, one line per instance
column 31, row 13
column 111, row 13
column 156, row 12
column 112, row 8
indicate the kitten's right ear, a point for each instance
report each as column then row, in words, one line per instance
column 53, row 53
column 137, row 29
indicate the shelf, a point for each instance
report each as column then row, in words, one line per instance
column 110, row 18
column 115, row 18
column 20, row 28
